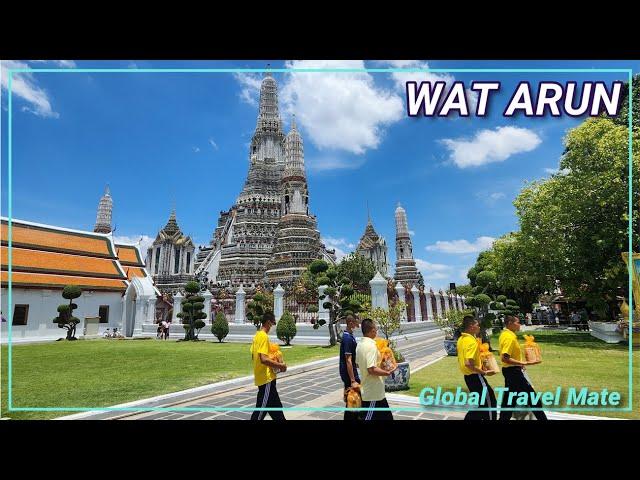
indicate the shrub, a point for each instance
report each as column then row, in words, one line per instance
column 286, row 328
column 220, row 326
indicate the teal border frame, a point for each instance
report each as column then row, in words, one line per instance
column 422, row 408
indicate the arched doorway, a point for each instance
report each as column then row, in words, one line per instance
column 130, row 311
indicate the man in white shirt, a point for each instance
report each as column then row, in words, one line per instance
column 372, row 386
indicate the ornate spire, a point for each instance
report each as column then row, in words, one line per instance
column 268, row 114
column 172, row 225
column 402, row 229
column 294, row 151
column 105, row 209
column 406, row 271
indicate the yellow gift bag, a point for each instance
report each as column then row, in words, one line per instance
column 532, row 351
column 275, row 354
column 388, row 361
column 489, row 362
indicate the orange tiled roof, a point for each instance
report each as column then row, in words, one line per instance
column 45, row 238
column 24, row 279
column 135, row 272
column 36, row 261
column 128, row 255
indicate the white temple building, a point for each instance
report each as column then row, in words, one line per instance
column 117, row 291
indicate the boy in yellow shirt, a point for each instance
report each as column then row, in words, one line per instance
column 513, row 367
column 471, row 367
column 265, row 377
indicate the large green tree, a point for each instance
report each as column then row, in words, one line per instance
column 358, row 269
column 337, row 298
column 575, row 224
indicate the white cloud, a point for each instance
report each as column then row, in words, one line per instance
column 328, row 163
column 429, row 267
column 412, row 233
column 339, row 244
column 59, row 63
column 432, row 272
column 490, row 198
column 213, row 144
column 24, row 86
column 461, row 246
column 489, row 146
column 337, row 110
column 340, row 110
column 401, row 78
column 557, row 171
column 145, row 242
column 196, row 149
column 250, row 92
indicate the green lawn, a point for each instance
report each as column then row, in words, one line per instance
column 569, row 360
column 97, row 373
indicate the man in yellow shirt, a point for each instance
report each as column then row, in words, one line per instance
column 471, row 367
column 513, row 366
column 372, row 386
column 265, row 377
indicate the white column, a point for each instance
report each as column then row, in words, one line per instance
column 151, row 310
column 240, row 294
column 177, row 307
column 400, row 290
column 278, row 302
column 323, row 313
column 427, row 297
column 207, row 305
column 416, row 303
column 379, row 292
column 438, row 304
column 458, row 302
column 464, row 305
column 446, row 301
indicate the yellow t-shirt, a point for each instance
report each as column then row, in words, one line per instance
column 468, row 349
column 509, row 344
column 262, row 374
column 367, row 355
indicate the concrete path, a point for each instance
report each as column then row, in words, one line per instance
column 315, row 384
column 312, row 385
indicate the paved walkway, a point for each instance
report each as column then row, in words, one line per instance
column 313, row 385
column 316, row 386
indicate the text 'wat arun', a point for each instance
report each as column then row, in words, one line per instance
column 268, row 236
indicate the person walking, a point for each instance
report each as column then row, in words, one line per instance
column 264, row 375
column 471, row 367
column 348, row 367
column 372, row 387
column 513, row 367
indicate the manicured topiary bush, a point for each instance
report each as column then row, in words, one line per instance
column 220, row 326
column 286, row 328
column 65, row 318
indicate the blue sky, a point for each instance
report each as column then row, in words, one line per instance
column 160, row 139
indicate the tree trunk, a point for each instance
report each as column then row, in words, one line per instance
column 332, row 332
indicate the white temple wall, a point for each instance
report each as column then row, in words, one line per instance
column 43, row 306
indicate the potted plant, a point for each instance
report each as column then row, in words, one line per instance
column 388, row 323
column 451, row 324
